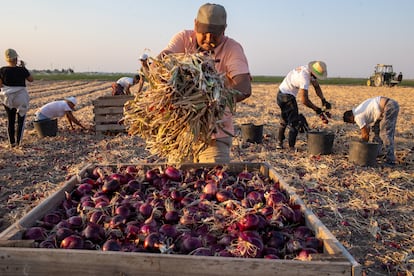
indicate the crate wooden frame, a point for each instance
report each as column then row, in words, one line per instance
column 18, row 257
column 108, row 110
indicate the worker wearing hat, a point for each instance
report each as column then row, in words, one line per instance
column 209, row 36
column 14, row 95
column 58, row 109
column 295, row 87
column 143, row 71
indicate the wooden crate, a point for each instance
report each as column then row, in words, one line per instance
column 17, row 257
column 108, row 110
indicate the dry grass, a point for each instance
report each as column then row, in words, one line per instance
column 370, row 210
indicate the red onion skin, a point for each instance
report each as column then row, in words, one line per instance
column 72, row 242
column 94, row 232
column 62, row 233
column 110, row 186
column 111, row 245
column 189, row 244
column 132, row 170
column 173, row 173
column 152, row 242
column 249, row 222
column 36, row 233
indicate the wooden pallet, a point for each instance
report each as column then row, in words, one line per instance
column 17, row 256
column 108, row 111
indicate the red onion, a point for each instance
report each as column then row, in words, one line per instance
column 36, row 233
column 210, row 188
column 122, row 179
column 145, row 209
column 190, row 243
column 94, row 232
column 152, row 242
column 173, row 173
column 76, row 222
column 249, row 222
column 223, row 195
column 110, row 186
column 169, row 230
column 72, row 242
column 62, row 233
column 111, row 245
column 132, row 170
column 98, row 217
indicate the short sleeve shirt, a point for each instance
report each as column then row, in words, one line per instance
column 367, row 112
column 125, row 81
column 298, row 78
column 55, row 109
column 14, row 76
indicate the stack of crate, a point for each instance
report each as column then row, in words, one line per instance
column 108, row 111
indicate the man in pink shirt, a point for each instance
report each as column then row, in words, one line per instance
column 208, row 36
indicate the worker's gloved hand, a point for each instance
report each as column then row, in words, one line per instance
column 326, row 104
column 318, row 111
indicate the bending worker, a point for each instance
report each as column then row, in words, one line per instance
column 58, row 109
column 122, row 86
column 382, row 113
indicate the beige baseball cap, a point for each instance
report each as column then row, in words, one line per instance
column 211, row 18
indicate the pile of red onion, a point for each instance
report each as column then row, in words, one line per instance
column 199, row 211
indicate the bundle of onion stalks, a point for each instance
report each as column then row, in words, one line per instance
column 182, row 107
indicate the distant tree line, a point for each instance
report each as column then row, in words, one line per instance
column 54, row 71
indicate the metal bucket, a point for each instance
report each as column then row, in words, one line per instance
column 320, row 142
column 252, row 133
column 46, row 127
column 363, row 153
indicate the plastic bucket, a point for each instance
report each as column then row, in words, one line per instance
column 46, row 127
column 320, row 142
column 252, row 133
column 363, row 153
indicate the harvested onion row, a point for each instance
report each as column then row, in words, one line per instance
column 182, row 107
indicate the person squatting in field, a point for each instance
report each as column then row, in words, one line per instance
column 208, row 36
column 382, row 113
column 295, row 87
column 58, row 109
column 14, row 95
column 122, row 86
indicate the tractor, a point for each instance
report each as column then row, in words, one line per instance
column 384, row 76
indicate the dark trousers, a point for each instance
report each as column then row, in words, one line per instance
column 11, row 115
column 289, row 118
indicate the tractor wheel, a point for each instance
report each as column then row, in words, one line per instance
column 369, row 82
column 378, row 81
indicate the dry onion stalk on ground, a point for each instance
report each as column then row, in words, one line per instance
column 182, row 106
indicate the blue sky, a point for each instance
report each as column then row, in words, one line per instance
column 108, row 36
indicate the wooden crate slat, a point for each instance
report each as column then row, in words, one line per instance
column 112, row 100
column 76, row 262
column 108, row 110
column 110, row 127
column 108, row 118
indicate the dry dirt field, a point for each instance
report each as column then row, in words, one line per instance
column 369, row 209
